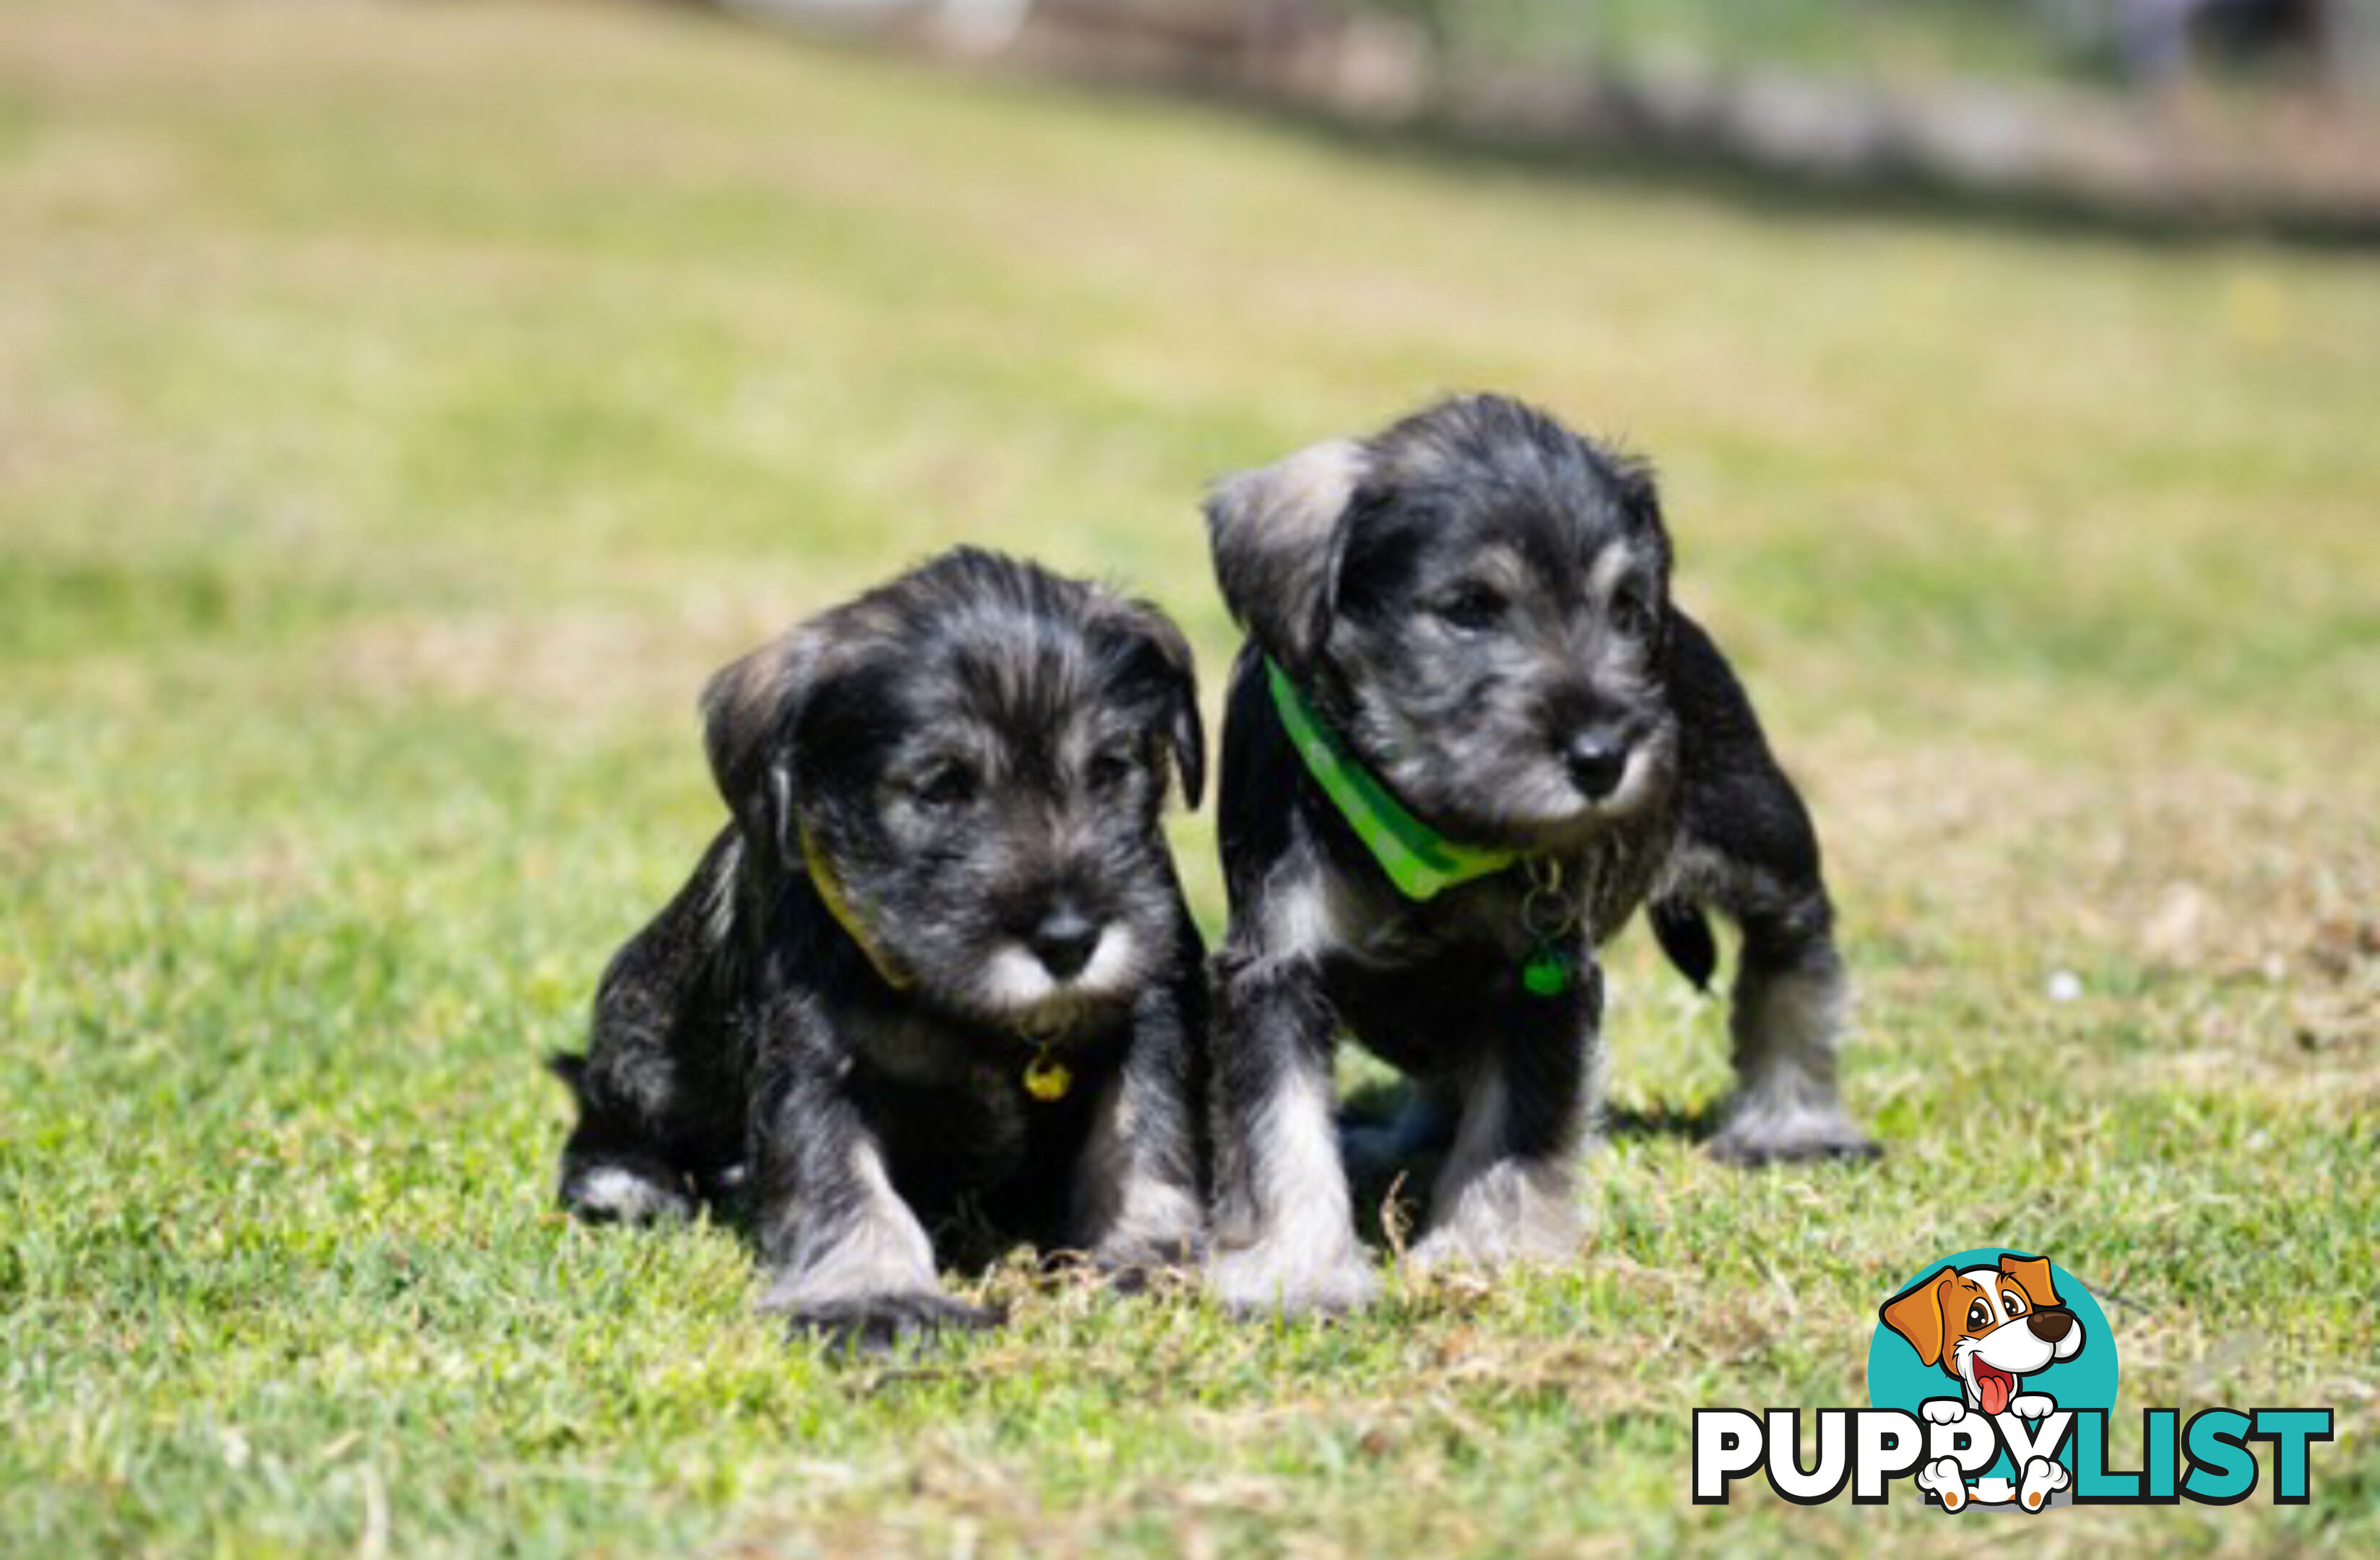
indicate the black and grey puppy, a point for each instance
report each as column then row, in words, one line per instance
column 939, row 963
column 1469, row 735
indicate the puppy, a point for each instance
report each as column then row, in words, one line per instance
column 1987, row 1328
column 939, row 962
column 1469, row 734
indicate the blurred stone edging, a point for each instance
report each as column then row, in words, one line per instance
column 2305, row 168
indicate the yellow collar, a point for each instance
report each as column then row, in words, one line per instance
column 838, row 905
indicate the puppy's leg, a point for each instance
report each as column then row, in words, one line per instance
column 1507, row 1192
column 1746, row 848
column 1787, row 1013
column 648, row 1091
column 1135, row 1205
column 844, row 1255
column 1284, row 1237
column 610, row 1175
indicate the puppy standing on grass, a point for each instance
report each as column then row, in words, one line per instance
column 941, row 955
column 1468, row 736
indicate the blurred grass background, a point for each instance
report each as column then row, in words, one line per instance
column 1911, row 37
column 2285, row 43
column 403, row 409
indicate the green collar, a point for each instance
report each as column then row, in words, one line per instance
column 1418, row 859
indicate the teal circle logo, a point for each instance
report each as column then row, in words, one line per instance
column 1970, row 1328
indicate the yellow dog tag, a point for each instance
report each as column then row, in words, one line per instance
column 1047, row 1078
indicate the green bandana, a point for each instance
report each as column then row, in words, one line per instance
column 1418, row 859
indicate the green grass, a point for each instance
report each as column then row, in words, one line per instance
column 403, row 409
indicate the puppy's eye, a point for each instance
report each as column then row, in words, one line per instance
column 1470, row 608
column 2014, row 1306
column 1631, row 612
column 1979, row 1315
column 1109, row 771
column 944, row 787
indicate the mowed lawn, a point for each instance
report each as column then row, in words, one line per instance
column 402, row 410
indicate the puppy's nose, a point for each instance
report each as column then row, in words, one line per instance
column 2050, row 1325
column 1595, row 760
column 1064, row 941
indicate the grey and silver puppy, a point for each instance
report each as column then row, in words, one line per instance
column 1468, row 736
column 939, row 960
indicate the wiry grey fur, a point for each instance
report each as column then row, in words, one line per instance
column 1477, row 602
column 981, row 751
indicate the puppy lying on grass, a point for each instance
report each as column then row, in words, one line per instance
column 939, row 959
column 1469, row 734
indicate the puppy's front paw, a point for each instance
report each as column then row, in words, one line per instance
column 1755, row 1135
column 1150, row 1225
column 626, row 1192
column 1130, row 1266
column 2042, row 1479
column 1512, row 1211
column 873, row 1323
column 1272, row 1279
column 2031, row 1405
column 1943, row 1410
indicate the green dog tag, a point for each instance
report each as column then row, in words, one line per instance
column 1546, row 974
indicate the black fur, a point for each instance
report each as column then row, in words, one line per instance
column 1684, row 934
column 1477, row 602
column 979, row 752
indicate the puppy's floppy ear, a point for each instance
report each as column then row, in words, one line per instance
column 1272, row 532
column 2031, row 1275
column 749, row 710
column 1156, row 651
column 1640, row 499
column 1916, row 1314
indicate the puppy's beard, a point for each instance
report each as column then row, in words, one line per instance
column 1641, row 780
column 1511, row 792
column 1634, row 788
column 1016, row 986
column 1530, row 799
column 1536, row 803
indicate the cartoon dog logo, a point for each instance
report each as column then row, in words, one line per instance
column 1988, row 1327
